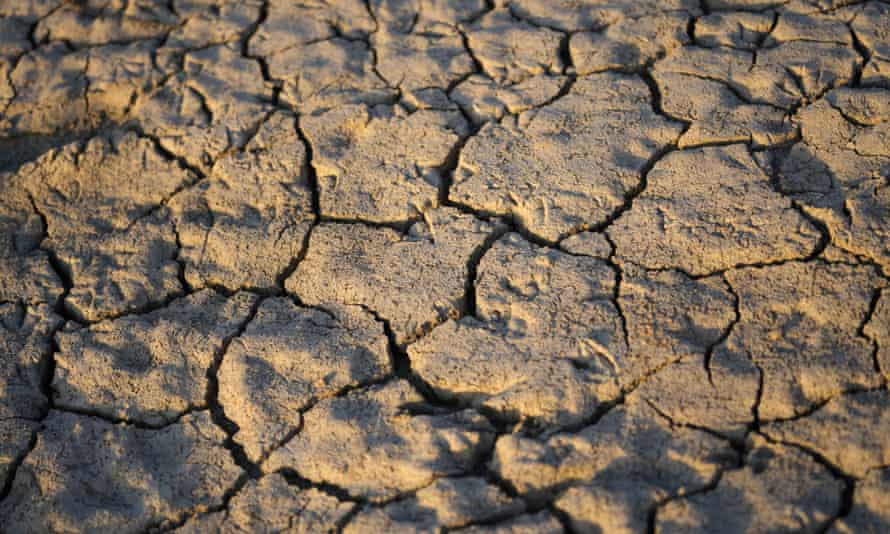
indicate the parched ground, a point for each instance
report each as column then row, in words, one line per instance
column 510, row 266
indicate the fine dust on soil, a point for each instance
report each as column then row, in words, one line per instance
column 500, row 266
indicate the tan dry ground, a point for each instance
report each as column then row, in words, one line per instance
column 511, row 266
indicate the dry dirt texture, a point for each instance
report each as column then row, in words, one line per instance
column 482, row 266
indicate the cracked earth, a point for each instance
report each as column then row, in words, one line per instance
column 509, row 266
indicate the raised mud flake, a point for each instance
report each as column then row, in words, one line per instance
column 87, row 474
column 710, row 209
column 25, row 271
column 447, row 503
column 568, row 165
column 245, row 224
column 270, row 505
column 46, row 92
column 483, row 99
column 381, row 164
column 212, row 106
column 546, row 346
column 542, row 522
column 838, row 171
column 149, row 368
column 871, row 506
column 414, row 281
column 328, row 74
column 798, row 324
column 575, row 15
column 628, row 44
column 628, row 461
column 433, row 55
column 673, row 322
column 289, row 357
column 872, row 27
column 25, row 333
column 369, row 443
column 779, row 489
column 511, row 50
column 717, row 115
column 850, row 431
column 96, row 22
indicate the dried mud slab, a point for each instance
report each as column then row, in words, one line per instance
column 381, row 164
column 626, row 463
column 245, row 224
column 546, row 345
column 574, row 15
column 564, row 167
column 213, row 105
column 838, row 171
column 628, row 44
column 271, row 505
column 45, row 92
column 100, row 201
column 744, row 30
column 872, row 27
column 414, row 281
column 121, row 272
column 327, row 74
column 25, row 271
column 117, row 74
column 783, row 76
column 25, row 333
column 591, row 244
column 87, row 474
column 447, row 503
column 673, row 324
column 779, row 489
column 512, row 50
column 97, row 22
column 717, row 115
column 849, row 431
column 369, row 443
column 290, row 357
column 292, row 25
column 432, row 55
column 151, row 368
column 871, row 504
column 806, row 344
column 483, row 99
column 204, row 23
column 16, row 21
column 707, row 210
